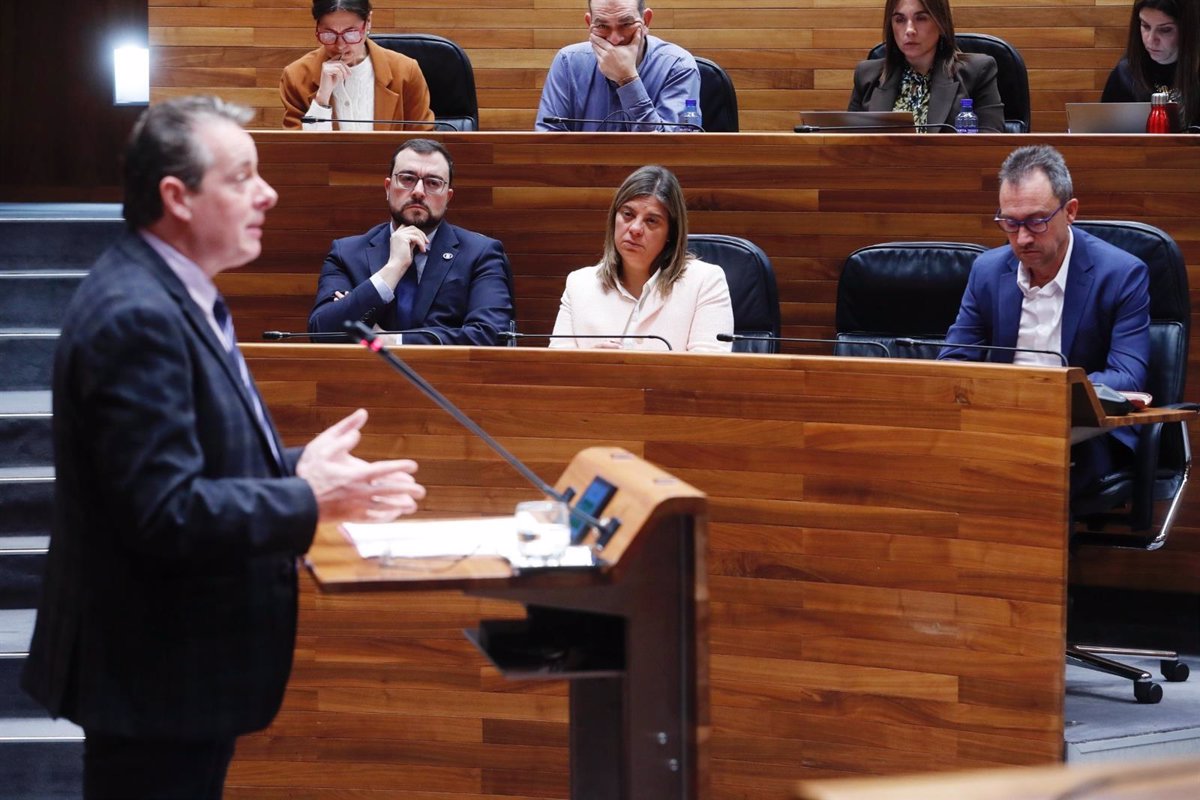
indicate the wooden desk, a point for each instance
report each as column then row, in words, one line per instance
column 808, row 201
column 1174, row 779
column 879, row 601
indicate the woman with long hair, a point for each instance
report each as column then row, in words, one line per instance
column 923, row 71
column 1162, row 55
column 646, row 283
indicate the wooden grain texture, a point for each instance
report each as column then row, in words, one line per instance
column 782, row 57
column 807, row 201
column 871, row 611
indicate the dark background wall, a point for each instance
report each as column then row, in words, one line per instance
column 60, row 134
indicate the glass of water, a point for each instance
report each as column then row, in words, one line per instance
column 543, row 532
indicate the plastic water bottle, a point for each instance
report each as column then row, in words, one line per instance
column 1158, row 121
column 691, row 115
column 967, row 120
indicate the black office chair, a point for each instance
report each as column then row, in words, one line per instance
column 898, row 290
column 447, row 71
column 751, row 286
column 718, row 99
column 1012, row 78
column 1121, row 511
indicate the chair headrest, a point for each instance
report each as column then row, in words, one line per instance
column 904, row 288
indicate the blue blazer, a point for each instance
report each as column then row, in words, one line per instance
column 464, row 297
column 169, row 602
column 1105, row 321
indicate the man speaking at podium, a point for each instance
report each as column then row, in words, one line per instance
column 1055, row 288
column 168, row 615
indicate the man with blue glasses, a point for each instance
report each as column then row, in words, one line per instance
column 1057, row 289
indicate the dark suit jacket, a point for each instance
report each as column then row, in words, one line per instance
column 975, row 78
column 1105, row 321
column 169, row 602
column 465, row 294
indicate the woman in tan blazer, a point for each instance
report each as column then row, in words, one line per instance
column 351, row 77
column 646, row 283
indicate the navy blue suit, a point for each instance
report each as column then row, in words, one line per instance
column 169, row 602
column 1105, row 318
column 464, row 297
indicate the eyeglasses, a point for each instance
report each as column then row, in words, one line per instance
column 349, row 36
column 1010, row 225
column 408, row 181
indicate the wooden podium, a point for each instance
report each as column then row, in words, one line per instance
column 629, row 634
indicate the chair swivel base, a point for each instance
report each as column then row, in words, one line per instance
column 1145, row 690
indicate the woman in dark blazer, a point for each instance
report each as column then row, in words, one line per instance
column 1162, row 55
column 922, row 71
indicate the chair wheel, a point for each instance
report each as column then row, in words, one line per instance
column 1147, row 692
column 1175, row 671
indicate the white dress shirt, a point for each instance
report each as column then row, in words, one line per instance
column 1041, row 313
column 353, row 98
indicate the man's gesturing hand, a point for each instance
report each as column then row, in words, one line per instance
column 348, row 488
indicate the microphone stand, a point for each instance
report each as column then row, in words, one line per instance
column 368, row 338
column 307, row 120
column 553, row 120
column 906, row 342
column 512, row 336
column 745, row 337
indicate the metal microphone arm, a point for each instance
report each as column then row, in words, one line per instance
column 512, row 336
column 370, row 340
column 907, row 342
column 745, row 337
column 307, row 120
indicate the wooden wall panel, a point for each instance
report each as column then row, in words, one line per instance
column 860, row 623
column 782, row 56
column 807, row 201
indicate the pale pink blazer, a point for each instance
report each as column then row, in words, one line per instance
column 690, row 318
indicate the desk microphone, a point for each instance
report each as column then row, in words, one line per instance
column 904, row 126
column 434, row 122
column 512, row 336
column 368, row 338
column 990, row 347
column 275, row 336
column 689, row 126
column 743, row 337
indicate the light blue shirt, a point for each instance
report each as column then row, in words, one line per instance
column 575, row 88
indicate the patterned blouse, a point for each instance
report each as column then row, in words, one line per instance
column 914, row 95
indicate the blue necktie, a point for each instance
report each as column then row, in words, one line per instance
column 406, row 294
column 221, row 315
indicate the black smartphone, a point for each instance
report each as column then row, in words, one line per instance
column 593, row 501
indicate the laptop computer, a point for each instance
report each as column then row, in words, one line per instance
column 1107, row 117
column 855, row 122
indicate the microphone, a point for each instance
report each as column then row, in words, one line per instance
column 368, row 338
column 512, row 336
column 941, row 126
column 275, row 336
column 742, row 337
column 990, row 347
column 307, row 120
column 551, row 120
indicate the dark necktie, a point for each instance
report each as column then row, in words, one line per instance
column 406, row 294
column 221, row 315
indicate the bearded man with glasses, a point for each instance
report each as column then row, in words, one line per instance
column 417, row 273
column 1055, row 288
column 349, row 77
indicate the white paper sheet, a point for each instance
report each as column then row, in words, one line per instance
column 451, row 538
